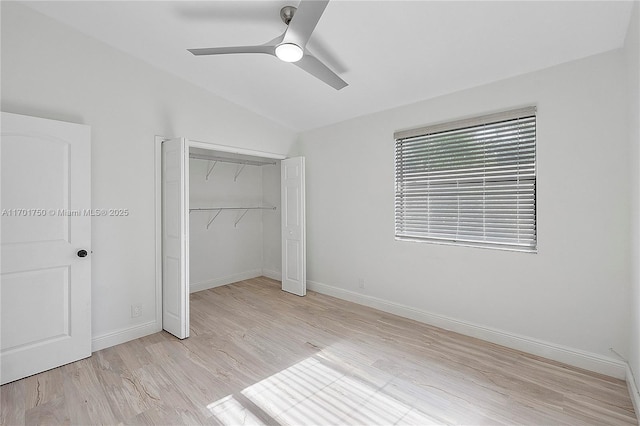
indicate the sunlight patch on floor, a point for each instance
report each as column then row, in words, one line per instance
column 314, row 392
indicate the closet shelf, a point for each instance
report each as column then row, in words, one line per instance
column 218, row 210
column 242, row 163
column 231, row 160
column 208, row 209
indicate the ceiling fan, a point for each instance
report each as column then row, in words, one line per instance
column 291, row 45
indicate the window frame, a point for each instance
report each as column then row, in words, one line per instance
column 467, row 127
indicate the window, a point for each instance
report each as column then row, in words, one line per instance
column 469, row 182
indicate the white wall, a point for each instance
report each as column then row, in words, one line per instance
column 569, row 301
column 52, row 71
column 226, row 253
column 272, row 236
column 632, row 56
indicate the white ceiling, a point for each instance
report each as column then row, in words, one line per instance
column 390, row 52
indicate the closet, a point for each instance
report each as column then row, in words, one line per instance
column 234, row 218
column 228, row 214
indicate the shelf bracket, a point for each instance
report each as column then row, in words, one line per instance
column 210, row 169
column 213, row 218
column 238, row 171
column 235, row 225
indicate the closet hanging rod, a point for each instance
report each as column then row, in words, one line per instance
column 208, row 209
column 218, row 210
column 231, row 160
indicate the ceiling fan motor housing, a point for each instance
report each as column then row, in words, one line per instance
column 286, row 13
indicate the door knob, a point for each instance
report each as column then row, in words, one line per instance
column 82, row 253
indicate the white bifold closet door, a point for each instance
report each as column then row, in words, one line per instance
column 294, row 264
column 175, row 232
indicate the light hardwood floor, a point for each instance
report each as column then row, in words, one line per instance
column 259, row 355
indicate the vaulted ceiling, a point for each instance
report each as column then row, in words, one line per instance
column 390, row 52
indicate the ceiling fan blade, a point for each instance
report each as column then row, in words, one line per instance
column 232, row 50
column 313, row 66
column 304, row 21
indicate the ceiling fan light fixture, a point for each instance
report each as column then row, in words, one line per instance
column 289, row 52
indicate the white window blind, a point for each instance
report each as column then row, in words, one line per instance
column 470, row 182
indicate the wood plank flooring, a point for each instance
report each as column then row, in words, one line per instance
column 257, row 355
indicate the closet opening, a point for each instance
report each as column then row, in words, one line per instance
column 225, row 215
column 234, row 218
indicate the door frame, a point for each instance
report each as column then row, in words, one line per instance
column 158, row 201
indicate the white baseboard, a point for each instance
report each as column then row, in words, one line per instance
column 274, row 275
column 575, row 357
column 124, row 335
column 633, row 391
column 217, row 282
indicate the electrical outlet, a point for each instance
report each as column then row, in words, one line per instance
column 136, row 310
column 360, row 282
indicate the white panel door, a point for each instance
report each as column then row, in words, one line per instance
column 175, row 231
column 45, row 286
column 294, row 262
